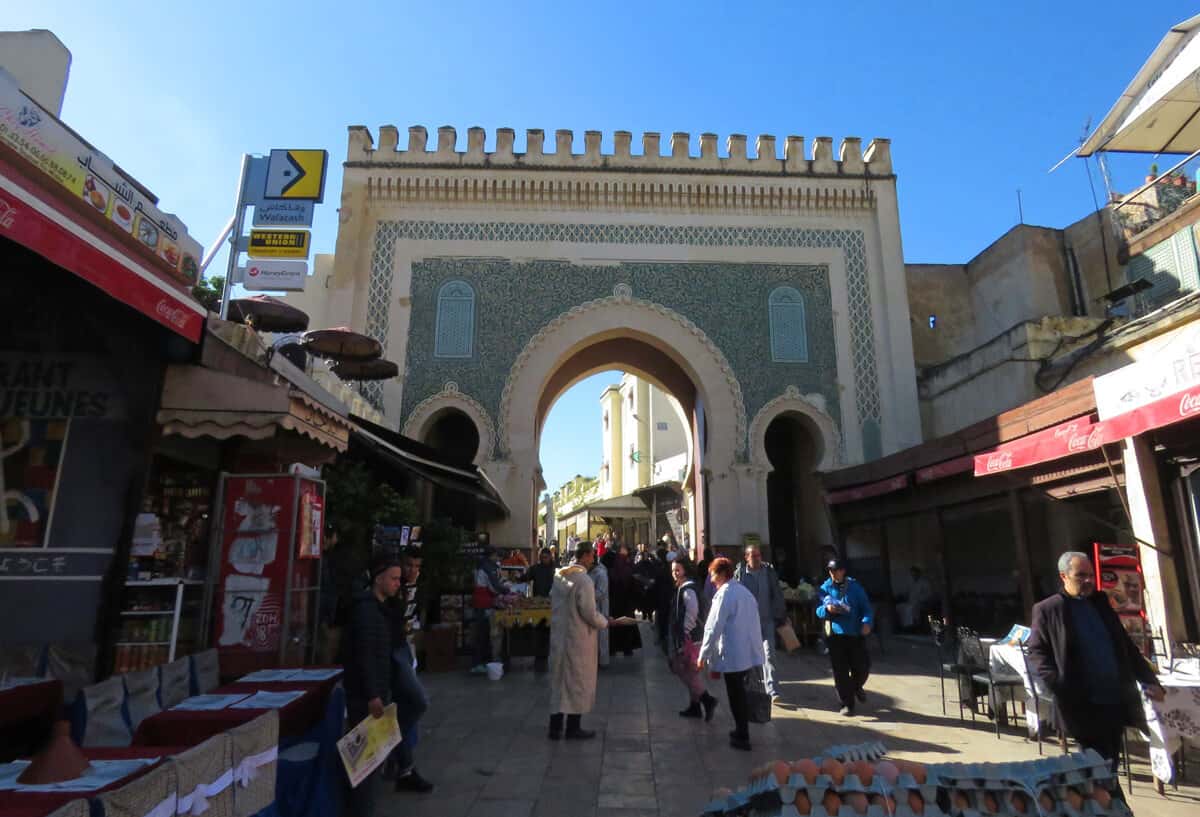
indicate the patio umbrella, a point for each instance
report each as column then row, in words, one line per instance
column 377, row 369
column 267, row 314
column 342, row 343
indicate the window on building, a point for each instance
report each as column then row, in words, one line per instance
column 606, row 421
column 454, row 335
column 1170, row 266
column 789, row 334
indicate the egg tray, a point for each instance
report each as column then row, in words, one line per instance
column 872, row 752
column 767, row 793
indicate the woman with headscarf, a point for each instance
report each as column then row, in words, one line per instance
column 622, row 600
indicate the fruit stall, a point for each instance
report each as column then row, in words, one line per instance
column 524, row 624
column 863, row 781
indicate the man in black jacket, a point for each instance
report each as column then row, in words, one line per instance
column 1084, row 656
column 407, row 611
column 367, row 657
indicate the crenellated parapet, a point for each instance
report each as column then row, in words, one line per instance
column 850, row 161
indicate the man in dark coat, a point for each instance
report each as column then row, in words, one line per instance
column 1084, row 656
column 407, row 613
column 367, row 659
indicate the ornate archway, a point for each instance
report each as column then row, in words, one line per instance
column 426, row 413
column 811, row 407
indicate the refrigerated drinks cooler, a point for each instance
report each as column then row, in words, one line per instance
column 1119, row 576
column 264, row 586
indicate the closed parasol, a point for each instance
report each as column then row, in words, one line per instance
column 377, row 369
column 342, row 343
column 267, row 314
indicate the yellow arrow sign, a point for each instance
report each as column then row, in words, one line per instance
column 296, row 174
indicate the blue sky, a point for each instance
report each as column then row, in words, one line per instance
column 978, row 99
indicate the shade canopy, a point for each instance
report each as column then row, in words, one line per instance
column 1160, row 110
column 268, row 314
column 342, row 343
column 377, row 369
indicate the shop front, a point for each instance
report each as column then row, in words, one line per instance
column 95, row 311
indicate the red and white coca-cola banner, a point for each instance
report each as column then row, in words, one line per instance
column 871, row 489
column 1081, row 435
column 34, row 221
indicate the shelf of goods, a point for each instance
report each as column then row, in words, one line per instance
column 525, row 613
column 849, row 781
column 160, row 622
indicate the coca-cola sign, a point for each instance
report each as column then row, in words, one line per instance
column 1189, row 404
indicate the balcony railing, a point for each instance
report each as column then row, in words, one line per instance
column 1157, row 199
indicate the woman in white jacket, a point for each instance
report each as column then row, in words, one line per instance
column 732, row 644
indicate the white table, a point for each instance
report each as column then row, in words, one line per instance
column 1007, row 659
column 1176, row 718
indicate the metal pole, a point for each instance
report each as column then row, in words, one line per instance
column 239, row 225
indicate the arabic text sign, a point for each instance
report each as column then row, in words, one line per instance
column 283, row 213
column 87, row 173
column 271, row 275
column 278, row 244
column 296, row 174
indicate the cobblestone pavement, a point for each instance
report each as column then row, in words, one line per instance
column 484, row 743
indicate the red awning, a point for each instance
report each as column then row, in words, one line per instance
column 871, row 489
column 30, row 217
column 941, row 470
column 1082, row 434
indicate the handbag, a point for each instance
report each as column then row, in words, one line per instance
column 758, row 702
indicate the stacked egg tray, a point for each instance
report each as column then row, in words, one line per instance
column 1076, row 785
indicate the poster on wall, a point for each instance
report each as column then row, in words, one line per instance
column 1119, row 576
column 311, row 522
column 30, row 455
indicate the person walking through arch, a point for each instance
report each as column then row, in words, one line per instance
column 574, row 624
column 685, row 634
column 732, row 645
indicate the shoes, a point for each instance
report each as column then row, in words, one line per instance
column 710, row 705
column 555, row 734
column 580, row 734
column 776, row 697
column 413, row 782
column 692, row 711
column 861, row 695
column 479, row 669
column 845, row 710
column 738, row 742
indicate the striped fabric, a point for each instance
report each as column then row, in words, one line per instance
column 255, row 752
column 204, row 778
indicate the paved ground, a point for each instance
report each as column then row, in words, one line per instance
column 484, row 743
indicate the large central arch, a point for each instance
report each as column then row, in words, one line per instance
column 650, row 340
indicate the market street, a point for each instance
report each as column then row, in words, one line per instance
column 484, row 743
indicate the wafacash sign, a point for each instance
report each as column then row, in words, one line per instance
column 37, row 387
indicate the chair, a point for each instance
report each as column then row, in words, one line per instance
column 141, row 695
column 75, row 808
column 102, row 720
column 969, row 661
column 994, row 684
column 206, row 671
column 204, row 778
column 73, row 664
column 255, row 762
column 937, row 629
column 174, row 682
column 22, row 661
column 154, row 793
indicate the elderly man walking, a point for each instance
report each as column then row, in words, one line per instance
column 1084, row 656
column 574, row 623
column 761, row 580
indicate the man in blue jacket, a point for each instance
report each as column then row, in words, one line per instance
column 846, row 611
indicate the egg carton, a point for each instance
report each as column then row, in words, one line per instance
column 848, row 753
column 1077, row 768
column 736, row 803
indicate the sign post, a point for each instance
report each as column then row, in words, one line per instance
column 282, row 188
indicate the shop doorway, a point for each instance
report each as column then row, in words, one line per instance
column 455, row 437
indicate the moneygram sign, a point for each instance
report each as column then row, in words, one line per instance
column 280, row 276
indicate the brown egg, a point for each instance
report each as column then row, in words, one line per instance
column 1102, row 797
column 857, row 801
column 960, row 800
column 990, row 804
column 1074, row 799
column 885, row 802
column 1045, row 801
column 917, row 770
column 834, row 768
column 781, row 769
column 807, row 768
column 831, row 802
column 864, row 770
column 888, row 771
column 802, row 803
column 916, row 802
column 1020, row 803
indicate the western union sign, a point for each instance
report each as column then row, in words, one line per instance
column 278, row 244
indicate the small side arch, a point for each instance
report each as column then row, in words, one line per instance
column 811, row 407
column 421, row 419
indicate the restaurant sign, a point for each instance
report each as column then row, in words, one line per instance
column 46, row 143
column 1172, row 367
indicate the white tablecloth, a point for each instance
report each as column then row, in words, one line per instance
column 1006, row 659
column 1177, row 717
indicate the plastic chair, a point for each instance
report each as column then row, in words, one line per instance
column 206, row 671
column 141, row 696
column 255, row 762
column 204, row 778
column 155, row 792
column 102, row 719
column 174, row 682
